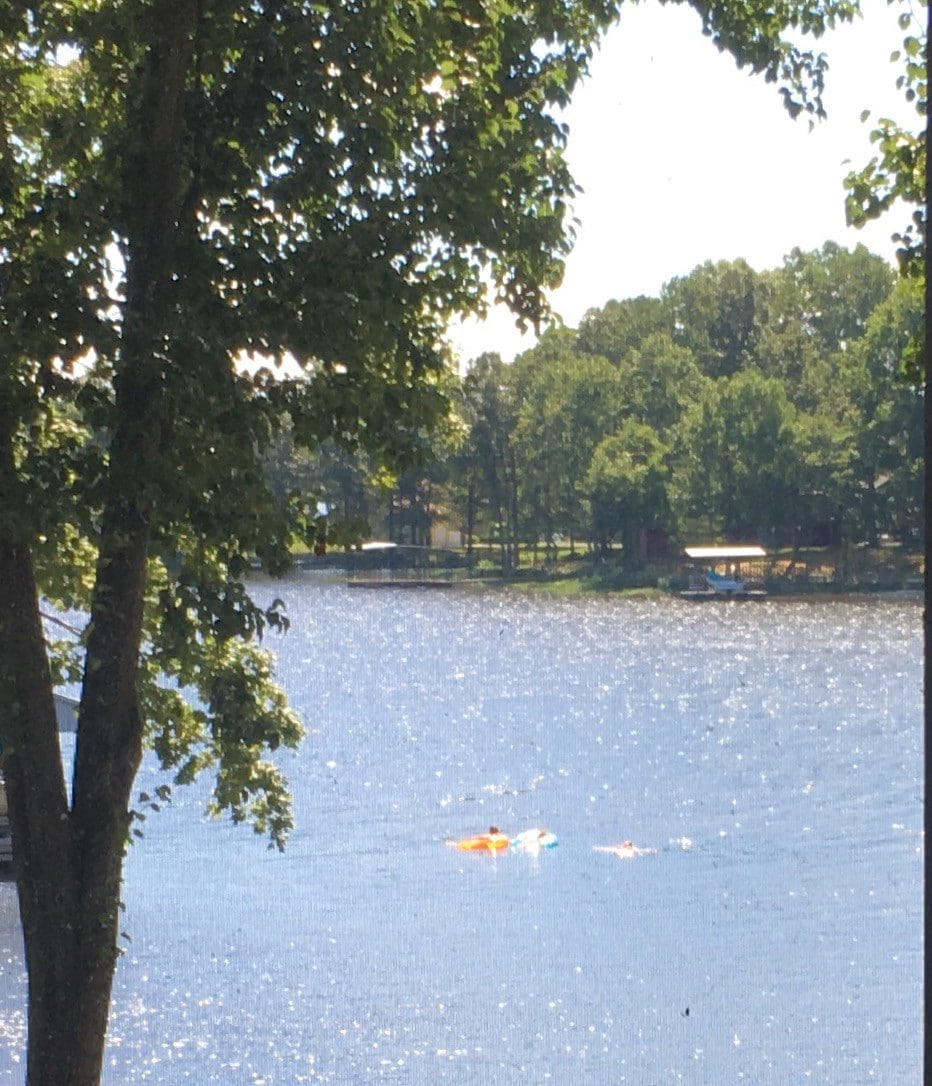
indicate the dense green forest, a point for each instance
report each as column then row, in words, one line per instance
column 775, row 406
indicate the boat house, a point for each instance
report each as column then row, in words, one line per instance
column 734, row 571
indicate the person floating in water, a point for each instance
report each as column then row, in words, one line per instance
column 627, row 850
column 534, row 840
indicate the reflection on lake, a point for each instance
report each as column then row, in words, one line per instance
column 770, row 752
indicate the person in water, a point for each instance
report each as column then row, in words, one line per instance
column 495, row 839
column 534, row 840
column 627, row 850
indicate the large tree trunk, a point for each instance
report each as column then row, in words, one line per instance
column 68, row 862
column 67, row 869
column 43, row 856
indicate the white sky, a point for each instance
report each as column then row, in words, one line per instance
column 683, row 159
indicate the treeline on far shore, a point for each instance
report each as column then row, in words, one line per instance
column 780, row 407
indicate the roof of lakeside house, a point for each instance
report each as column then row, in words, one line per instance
column 726, row 552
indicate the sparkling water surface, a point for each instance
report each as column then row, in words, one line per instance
column 770, row 752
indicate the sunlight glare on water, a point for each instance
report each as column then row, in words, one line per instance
column 770, row 752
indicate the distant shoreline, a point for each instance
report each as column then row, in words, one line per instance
column 822, row 573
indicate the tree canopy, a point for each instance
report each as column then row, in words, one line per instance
column 811, row 434
column 185, row 186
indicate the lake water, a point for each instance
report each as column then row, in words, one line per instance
column 770, row 752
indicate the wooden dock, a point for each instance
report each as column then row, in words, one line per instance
column 702, row 595
column 398, row 582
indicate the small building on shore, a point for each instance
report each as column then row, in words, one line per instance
column 734, row 571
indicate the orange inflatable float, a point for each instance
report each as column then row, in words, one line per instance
column 492, row 841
